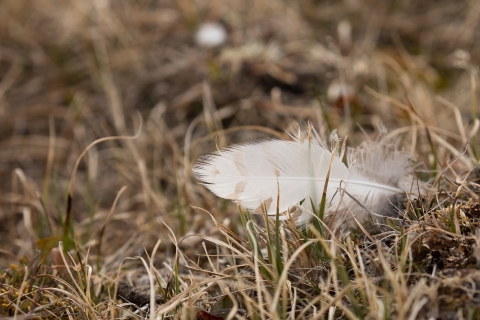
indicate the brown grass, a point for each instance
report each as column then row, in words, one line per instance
column 106, row 105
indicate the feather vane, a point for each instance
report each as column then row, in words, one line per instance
column 256, row 174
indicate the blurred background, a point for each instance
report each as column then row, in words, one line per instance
column 192, row 76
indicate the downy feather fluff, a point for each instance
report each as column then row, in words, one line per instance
column 256, row 174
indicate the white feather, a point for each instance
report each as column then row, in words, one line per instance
column 256, row 174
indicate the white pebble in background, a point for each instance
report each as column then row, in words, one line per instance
column 211, row 34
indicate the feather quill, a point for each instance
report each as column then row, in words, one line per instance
column 254, row 174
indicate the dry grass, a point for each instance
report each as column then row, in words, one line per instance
column 102, row 228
